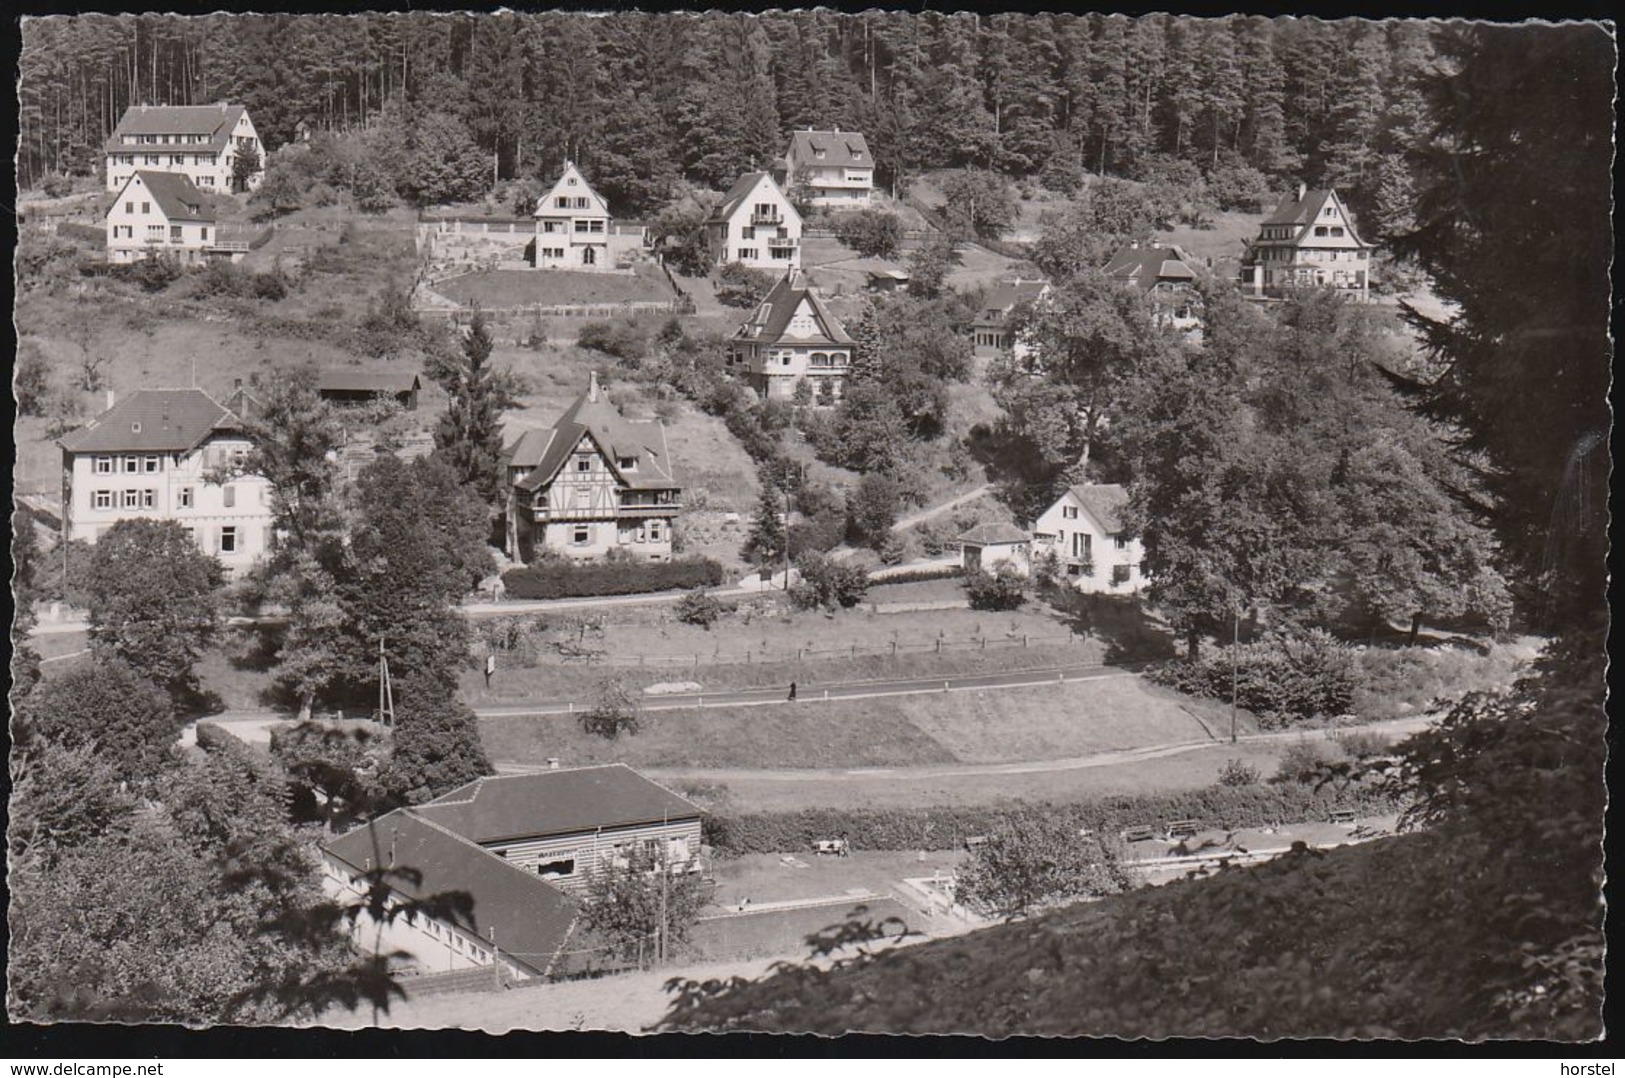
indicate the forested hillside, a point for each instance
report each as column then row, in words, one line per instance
column 644, row 100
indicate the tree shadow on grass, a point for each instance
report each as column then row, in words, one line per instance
column 1120, row 622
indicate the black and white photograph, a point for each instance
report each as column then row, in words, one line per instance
column 1033, row 524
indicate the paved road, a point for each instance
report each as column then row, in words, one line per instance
column 811, row 693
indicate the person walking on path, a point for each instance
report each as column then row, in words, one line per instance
column 792, row 691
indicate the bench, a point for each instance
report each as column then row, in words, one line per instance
column 1140, row 833
column 1342, row 815
column 1180, row 829
column 834, row 847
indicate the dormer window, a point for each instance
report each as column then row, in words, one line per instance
column 627, row 464
column 135, row 428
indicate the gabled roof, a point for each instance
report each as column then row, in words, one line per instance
column 1144, row 267
column 342, row 380
column 994, row 534
column 1002, row 298
column 770, row 322
column 1299, row 209
column 509, row 807
column 152, row 421
column 839, row 148
column 529, row 918
column 1304, row 211
column 1103, row 501
column 177, row 196
column 616, row 436
column 742, row 189
column 563, row 186
column 215, row 121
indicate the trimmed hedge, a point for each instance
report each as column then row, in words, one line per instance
column 947, row 827
column 915, row 576
column 565, row 581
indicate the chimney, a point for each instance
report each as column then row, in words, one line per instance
column 110, row 399
column 552, row 763
column 592, row 386
column 1303, row 189
column 236, row 383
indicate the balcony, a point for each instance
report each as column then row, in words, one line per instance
column 543, row 514
column 769, row 217
column 784, row 242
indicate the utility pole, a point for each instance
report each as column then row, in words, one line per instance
column 386, row 691
column 1235, row 670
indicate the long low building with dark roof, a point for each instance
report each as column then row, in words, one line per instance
column 498, row 865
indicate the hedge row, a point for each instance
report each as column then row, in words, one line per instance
column 946, row 828
column 565, row 581
column 915, row 576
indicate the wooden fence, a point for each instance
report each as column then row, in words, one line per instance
column 752, row 656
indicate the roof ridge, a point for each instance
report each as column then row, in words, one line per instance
column 411, row 812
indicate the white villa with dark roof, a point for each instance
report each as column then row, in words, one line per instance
column 522, row 848
column 755, row 225
column 573, row 225
column 1084, row 531
column 200, row 142
column 1308, row 242
column 835, row 167
column 792, row 337
column 593, row 482
column 160, row 214
column 161, row 454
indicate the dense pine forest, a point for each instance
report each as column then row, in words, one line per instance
column 644, row 100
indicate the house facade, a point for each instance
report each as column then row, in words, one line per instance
column 835, row 167
column 524, row 848
column 573, row 225
column 1308, row 242
column 200, row 142
column 160, row 214
column 1083, row 531
column 1166, row 277
column 167, row 454
column 755, row 225
column 565, row 825
column 986, row 547
column 791, row 338
column 592, row 483
column 990, row 330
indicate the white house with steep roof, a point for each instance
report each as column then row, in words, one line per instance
column 200, row 142
column 159, row 214
column 1308, row 242
column 573, row 225
column 167, row 454
column 1083, row 532
column 834, row 168
column 755, row 225
column 792, row 337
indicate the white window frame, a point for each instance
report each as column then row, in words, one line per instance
column 228, row 539
column 101, row 499
column 183, row 498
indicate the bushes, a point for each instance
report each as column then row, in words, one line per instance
column 221, row 278
column 564, row 581
column 1237, row 772
column 946, row 827
column 930, row 572
column 700, row 607
column 626, row 339
column 828, row 583
column 740, row 286
column 1003, row 589
column 872, row 233
column 1284, row 680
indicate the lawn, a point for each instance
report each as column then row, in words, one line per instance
column 843, row 734
column 1219, row 247
column 528, row 288
column 1045, row 722
column 1185, row 770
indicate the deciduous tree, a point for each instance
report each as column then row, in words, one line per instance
column 153, row 600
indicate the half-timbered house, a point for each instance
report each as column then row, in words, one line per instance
column 592, row 483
